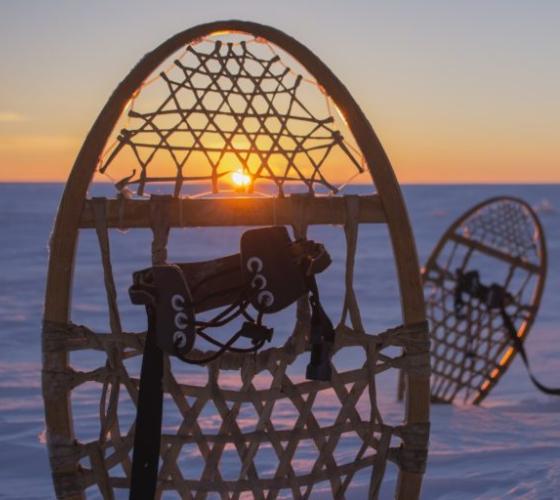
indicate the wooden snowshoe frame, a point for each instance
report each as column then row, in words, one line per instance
column 77, row 466
column 470, row 355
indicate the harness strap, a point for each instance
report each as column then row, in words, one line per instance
column 519, row 347
column 309, row 257
column 322, row 337
column 495, row 297
column 149, row 409
column 147, row 434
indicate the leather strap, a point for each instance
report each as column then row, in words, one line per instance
column 147, row 434
column 519, row 347
column 149, row 409
column 321, row 336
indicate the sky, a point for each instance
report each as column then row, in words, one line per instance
column 458, row 92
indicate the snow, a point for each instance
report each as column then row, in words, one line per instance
column 509, row 447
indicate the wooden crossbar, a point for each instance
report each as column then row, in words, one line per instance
column 494, row 252
column 242, row 211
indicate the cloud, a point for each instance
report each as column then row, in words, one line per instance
column 10, row 117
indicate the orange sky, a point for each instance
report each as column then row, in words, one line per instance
column 463, row 93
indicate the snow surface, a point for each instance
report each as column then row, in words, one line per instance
column 507, row 448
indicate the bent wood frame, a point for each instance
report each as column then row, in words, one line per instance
column 74, row 214
column 540, row 270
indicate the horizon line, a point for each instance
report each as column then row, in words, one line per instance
column 405, row 183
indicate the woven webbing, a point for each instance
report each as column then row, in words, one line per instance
column 231, row 404
column 224, row 106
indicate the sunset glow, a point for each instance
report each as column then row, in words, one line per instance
column 456, row 94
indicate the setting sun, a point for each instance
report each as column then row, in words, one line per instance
column 240, row 179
